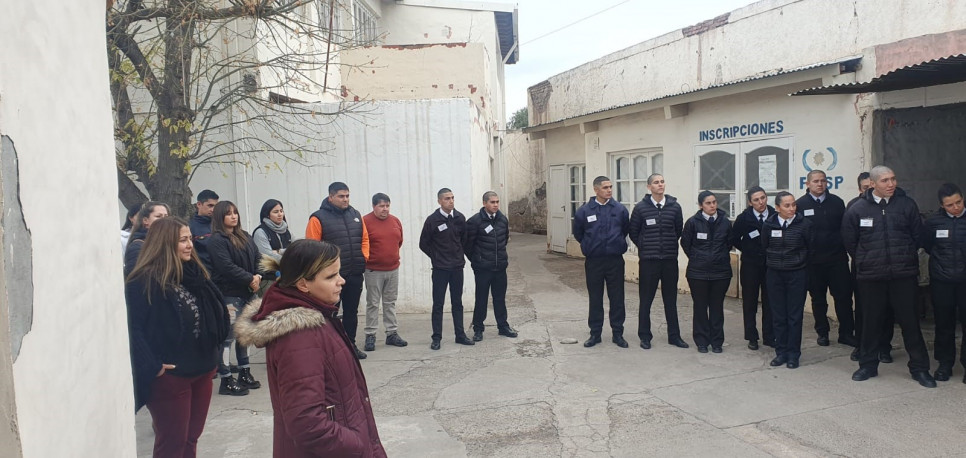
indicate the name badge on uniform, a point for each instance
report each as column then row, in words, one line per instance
column 702, row 236
column 865, row 222
column 442, row 227
column 754, row 234
column 591, row 218
column 651, row 222
column 488, row 229
column 356, row 219
column 810, row 212
column 776, row 233
column 942, row 233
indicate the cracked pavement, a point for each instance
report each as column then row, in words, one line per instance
column 534, row 396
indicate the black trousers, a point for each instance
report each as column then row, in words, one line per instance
column 752, row 279
column 831, row 277
column 787, row 291
column 948, row 299
column 487, row 282
column 708, row 297
column 441, row 280
column 653, row 271
column 600, row 271
column 899, row 296
column 351, row 292
column 888, row 325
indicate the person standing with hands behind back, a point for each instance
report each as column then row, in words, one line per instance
column 706, row 243
column 746, row 236
column 234, row 261
column 787, row 240
column 601, row 226
column 442, row 239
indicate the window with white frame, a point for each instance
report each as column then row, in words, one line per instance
column 578, row 188
column 329, row 9
column 364, row 22
column 629, row 171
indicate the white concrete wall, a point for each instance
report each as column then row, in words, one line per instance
column 73, row 373
column 409, row 25
column 406, row 149
column 762, row 37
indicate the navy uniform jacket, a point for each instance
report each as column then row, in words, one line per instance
column 601, row 229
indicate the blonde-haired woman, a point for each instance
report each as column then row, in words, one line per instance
column 177, row 320
column 318, row 390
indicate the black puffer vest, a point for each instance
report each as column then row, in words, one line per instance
column 656, row 231
column 486, row 249
column 944, row 238
column 276, row 240
column 707, row 247
column 789, row 248
column 883, row 238
column 343, row 228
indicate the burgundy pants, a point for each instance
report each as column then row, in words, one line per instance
column 179, row 407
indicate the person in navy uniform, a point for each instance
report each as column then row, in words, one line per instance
column 656, row 226
column 787, row 241
column 882, row 232
column 706, row 241
column 944, row 238
column 601, row 226
column 828, row 265
column 746, row 237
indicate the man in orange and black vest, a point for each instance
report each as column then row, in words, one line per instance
column 338, row 223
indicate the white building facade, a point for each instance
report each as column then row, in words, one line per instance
column 425, row 111
column 708, row 106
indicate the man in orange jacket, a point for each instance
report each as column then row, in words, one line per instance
column 338, row 223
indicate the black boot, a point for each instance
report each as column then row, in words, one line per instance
column 246, row 380
column 231, row 387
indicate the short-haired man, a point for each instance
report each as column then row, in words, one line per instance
column 746, row 235
column 882, row 233
column 200, row 224
column 863, row 182
column 601, row 226
column 828, row 263
column 442, row 239
column 655, row 227
column 338, row 223
column 382, row 272
column 944, row 238
column 487, row 234
column 885, row 353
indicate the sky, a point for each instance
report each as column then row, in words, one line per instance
column 623, row 24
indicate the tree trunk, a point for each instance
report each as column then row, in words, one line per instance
column 175, row 117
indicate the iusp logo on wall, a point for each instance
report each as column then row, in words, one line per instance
column 822, row 159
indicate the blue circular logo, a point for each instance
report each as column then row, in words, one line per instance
column 818, row 159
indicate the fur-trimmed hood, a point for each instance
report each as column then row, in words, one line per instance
column 275, row 325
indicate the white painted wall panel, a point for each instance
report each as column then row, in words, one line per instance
column 406, row 149
column 73, row 374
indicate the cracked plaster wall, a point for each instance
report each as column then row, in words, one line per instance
column 72, row 375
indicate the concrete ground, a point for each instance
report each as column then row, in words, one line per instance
column 534, row 396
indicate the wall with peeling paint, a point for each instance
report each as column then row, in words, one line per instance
column 412, row 72
column 525, row 198
column 72, row 374
column 761, row 37
column 406, row 149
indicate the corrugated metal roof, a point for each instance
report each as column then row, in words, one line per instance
column 944, row 70
column 767, row 74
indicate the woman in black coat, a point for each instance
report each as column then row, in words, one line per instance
column 234, row 264
column 787, row 239
column 706, row 242
column 177, row 320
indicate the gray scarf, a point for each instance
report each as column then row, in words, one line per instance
column 278, row 228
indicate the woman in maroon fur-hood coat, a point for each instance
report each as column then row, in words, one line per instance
column 318, row 390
